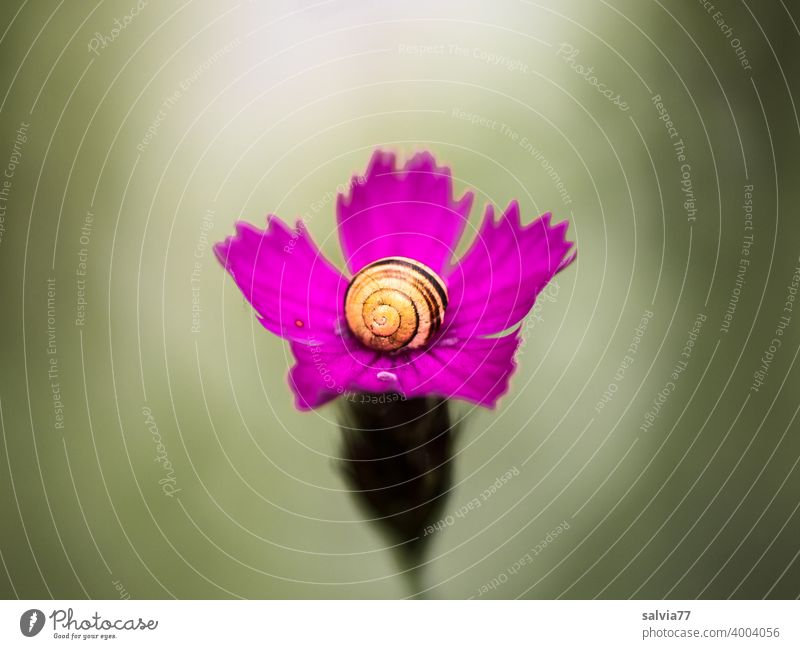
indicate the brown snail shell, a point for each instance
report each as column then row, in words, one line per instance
column 394, row 303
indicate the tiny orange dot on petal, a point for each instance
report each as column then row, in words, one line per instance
column 298, row 323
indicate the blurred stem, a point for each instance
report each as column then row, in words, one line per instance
column 414, row 572
column 398, row 461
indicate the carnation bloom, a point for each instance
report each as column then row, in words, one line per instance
column 407, row 214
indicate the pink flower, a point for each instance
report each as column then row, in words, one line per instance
column 408, row 213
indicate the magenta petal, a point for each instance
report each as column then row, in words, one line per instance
column 408, row 212
column 295, row 291
column 325, row 369
column 496, row 282
column 477, row 370
column 311, row 385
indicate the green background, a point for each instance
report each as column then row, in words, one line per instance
column 279, row 103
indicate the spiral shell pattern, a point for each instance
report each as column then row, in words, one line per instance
column 394, row 303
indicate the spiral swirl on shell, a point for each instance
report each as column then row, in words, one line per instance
column 395, row 303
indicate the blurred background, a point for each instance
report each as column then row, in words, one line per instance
column 649, row 444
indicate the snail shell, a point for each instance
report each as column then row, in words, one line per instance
column 395, row 302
